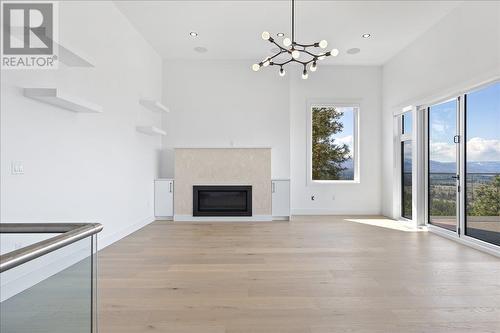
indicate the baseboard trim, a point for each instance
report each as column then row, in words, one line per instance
column 110, row 239
column 255, row 218
column 164, row 218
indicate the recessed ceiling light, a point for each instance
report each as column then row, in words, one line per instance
column 354, row 50
column 280, row 34
column 366, row 35
column 193, row 34
column 200, row 49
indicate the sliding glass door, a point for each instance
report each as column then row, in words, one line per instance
column 443, row 165
column 463, row 165
column 482, row 167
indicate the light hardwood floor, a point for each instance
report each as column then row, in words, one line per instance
column 311, row 275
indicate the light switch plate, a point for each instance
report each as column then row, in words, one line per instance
column 17, row 168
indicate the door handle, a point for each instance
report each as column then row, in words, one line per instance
column 170, row 187
column 457, row 177
column 273, row 187
column 456, row 139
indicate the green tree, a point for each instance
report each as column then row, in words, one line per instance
column 440, row 207
column 327, row 156
column 487, row 199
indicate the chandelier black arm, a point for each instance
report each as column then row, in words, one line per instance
column 272, row 41
column 274, row 56
column 278, row 45
column 283, row 50
column 305, row 63
column 281, row 64
column 315, row 56
column 306, row 45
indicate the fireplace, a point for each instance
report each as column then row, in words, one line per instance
column 222, row 200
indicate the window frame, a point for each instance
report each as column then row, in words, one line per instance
column 427, row 142
column 401, row 138
column 463, row 170
column 404, row 133
column 356, row 156
column 402, row 144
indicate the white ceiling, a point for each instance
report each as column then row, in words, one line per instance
column 232, row 29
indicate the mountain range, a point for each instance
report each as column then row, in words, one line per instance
column 444, row 167
column 472, row 167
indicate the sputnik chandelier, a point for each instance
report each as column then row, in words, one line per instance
column 303, row 54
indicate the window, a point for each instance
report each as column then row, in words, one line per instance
column 406, row 123
column 482, row 167
column 406, row 179
column 333, row 143
column 442, row 164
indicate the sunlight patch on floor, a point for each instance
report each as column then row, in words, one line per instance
column 388, row 224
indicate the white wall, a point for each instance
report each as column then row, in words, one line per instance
column 224, row 104
column 83, row 167
column 460, row 51
column 338, row 84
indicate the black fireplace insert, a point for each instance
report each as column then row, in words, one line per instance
column 222, row 200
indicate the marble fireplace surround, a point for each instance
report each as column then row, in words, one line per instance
column 222, row 166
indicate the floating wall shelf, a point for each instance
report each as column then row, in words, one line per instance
column 58, row 98
column 151, row 130
column 153, row 105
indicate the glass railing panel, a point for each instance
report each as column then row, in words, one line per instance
column 11, row 242
column 58, row 297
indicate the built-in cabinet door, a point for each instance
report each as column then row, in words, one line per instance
column 164, row 197
column 280, row 197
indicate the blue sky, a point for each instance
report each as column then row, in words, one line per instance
column 407, row 122
column 483, row 113
column 443, row 120
column 346, row 136
column 483, row 127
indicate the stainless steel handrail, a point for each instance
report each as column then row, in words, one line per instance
column 71, row 233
